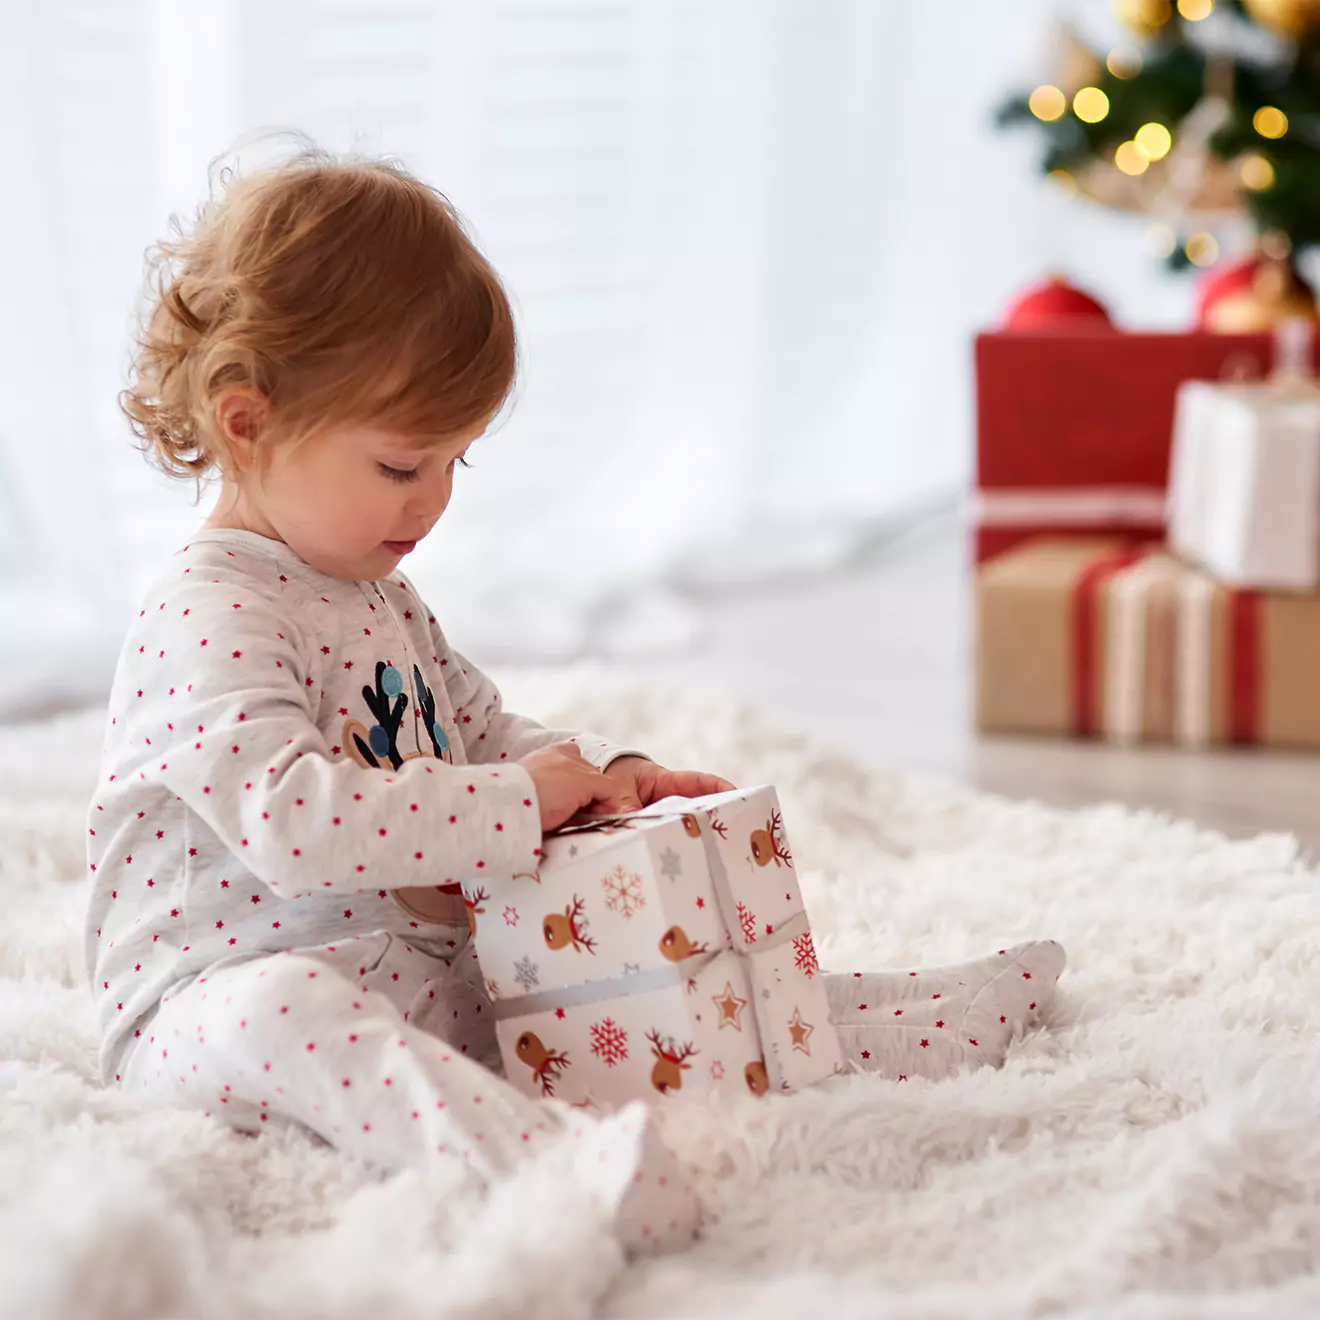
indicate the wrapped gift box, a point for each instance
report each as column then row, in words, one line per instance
column 1112, row 639
column 1074, row 427
column 1244, row 489
column 661, row 952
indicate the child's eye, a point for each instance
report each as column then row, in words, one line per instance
column 397, row 474
column 462, row 462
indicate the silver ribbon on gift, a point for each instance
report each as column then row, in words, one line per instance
column 657, row 978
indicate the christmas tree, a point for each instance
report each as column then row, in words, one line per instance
column 1212, row 109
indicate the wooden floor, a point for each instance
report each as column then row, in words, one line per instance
column 877, row 660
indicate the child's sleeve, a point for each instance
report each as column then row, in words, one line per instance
column 492, row 734
column 224, row 717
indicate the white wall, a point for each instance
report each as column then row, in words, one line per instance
column 748, row 241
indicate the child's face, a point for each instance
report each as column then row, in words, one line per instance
column 353, row 500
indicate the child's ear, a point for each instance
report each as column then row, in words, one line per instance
column 241, row 415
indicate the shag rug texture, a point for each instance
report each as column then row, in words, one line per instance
column 1154, row 1150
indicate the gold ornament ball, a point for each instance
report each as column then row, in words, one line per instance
column 1143, row 18
column 1275, row 294
column 1287, row 18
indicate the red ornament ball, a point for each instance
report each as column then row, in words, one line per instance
column 1055, row 304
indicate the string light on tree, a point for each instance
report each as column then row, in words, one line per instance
column 1270, row 122
column 1286, row 18
column 1256, row 173
column 1090, row 105
column 1143, row 18
column 1202, row 249
column 1195, row 10
column 1048, row 103
column 1155, row 140
column 1161, row 241
column 1124, row 63
column 1131, row 159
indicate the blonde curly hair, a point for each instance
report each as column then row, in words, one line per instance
column 339, row 289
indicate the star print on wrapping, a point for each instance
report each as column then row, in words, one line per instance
column 800, row 1031
column 730, row 1007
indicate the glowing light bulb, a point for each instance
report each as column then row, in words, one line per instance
column 1161, row 240
column 1131, row 159
column 1064, row 180
column 1124, row 63
column 1154, row 140
column 1270, row 122
column 1195, row 10
column 1090, row 105
column 1202, row 249
column 1047, row 103
column 1256, row 173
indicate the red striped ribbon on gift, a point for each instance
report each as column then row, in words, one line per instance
column 1085, row 667
column 1244, row 666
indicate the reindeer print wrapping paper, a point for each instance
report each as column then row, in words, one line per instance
column 657, row 952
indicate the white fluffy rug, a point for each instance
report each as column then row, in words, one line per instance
column 1154, row 1152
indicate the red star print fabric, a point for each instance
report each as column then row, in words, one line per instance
column 284, row 750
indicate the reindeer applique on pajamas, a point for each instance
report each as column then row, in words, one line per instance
column 298, row 772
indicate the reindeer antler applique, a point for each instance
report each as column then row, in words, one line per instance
column 436, row 730
column 770, row 844
column 386, row 701
column 564, row 928
column 670, row 1062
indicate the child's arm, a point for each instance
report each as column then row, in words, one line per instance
column 224, row 720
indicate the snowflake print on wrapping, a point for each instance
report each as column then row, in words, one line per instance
column 527, row 973
column 623, row 892
column 609, row 1042
column 671, row 865
column 804, row 956
column 747, row 920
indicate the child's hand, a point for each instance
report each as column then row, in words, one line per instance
column 566, row 782
column 641, row 782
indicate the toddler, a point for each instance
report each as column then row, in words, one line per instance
column 299, row 769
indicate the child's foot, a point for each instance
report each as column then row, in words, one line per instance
column 961, row 1016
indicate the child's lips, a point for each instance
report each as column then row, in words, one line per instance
column 400, row 547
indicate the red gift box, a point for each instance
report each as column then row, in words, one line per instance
column 1074, row 427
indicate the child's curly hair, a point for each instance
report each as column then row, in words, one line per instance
column 340, row 289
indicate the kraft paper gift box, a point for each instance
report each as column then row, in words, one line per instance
column 1107, row 639
column 662, row 952
column 1244, row 489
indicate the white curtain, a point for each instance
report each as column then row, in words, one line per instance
column 748, row 241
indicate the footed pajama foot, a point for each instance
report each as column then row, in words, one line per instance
column 962, row 1016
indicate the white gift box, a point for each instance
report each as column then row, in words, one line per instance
column 1244, row 482
column 661, row 952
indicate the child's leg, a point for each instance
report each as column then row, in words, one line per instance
column 930, row 1022
column 318, row 1037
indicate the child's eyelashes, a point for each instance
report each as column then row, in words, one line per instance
column 410, row 474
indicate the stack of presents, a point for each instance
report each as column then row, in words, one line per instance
column 1148, row 535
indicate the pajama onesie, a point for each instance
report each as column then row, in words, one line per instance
column 298, row 772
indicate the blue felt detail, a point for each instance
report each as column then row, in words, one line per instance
column 379, row 740
column 438, row 733
column 391, row 681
